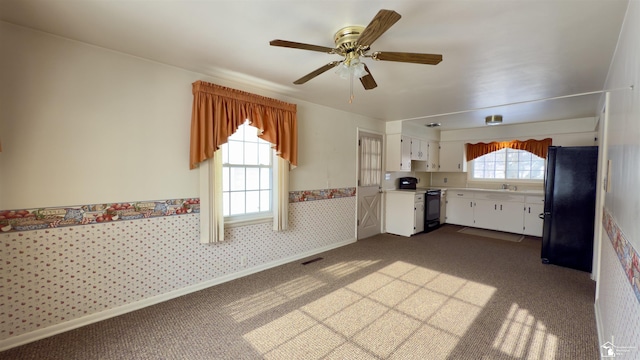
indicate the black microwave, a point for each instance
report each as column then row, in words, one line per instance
column 408, row 183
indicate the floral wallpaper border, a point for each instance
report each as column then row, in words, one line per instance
column 323, row 194
column 628, row 256
column 52, row 217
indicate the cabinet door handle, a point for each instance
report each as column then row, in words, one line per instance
column 500, row 207
column 529, row 209
column 495, row 207
column 470, row 203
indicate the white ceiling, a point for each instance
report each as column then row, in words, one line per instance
column 494, row 52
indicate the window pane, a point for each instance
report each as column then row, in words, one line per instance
column 225, row 204
column 512, row 174
column 225, row 153
column 512, row 156
column 236, row 152
column 237, row 203
column 225, row 179
column 490, row 157
column 523, row 174
column 237, row 179
column 524, row 156
column 265, row 200
column 239, row 134
column 488, row 174
column 265, row 178
column 500, row 155
column 251, row 153
column 253, row 201
column 512, row 166
column 253, row 179
column 537, row 164
column 537, row 175
column 264, row 154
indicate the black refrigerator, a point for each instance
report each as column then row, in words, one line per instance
column 569, row 206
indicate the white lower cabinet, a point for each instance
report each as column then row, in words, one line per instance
column 498, row 215
column 511, row 219
column 533, row 208
column 459, row 208
column 484, row 215
column 418, row 214
column 509, row 212
column 404, row 212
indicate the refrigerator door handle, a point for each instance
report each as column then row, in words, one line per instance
column 542, row 215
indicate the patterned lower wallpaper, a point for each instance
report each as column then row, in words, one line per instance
column 628, row 256
column 617, row 303
column 53, row 275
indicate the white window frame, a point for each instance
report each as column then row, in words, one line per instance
column 472, row 179
column 254, row 217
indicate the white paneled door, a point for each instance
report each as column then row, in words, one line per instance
column 369, row 192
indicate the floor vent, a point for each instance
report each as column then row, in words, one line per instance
column 311, row 261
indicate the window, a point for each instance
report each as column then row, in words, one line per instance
column 509, row 164
column 247, row 175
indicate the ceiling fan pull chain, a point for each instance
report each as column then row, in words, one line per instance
column 350, row 86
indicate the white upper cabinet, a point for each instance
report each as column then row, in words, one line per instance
column 419, row 149
column 433, row 158
column 398, row 153
column 452, row 157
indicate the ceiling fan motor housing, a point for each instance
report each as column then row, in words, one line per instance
column 346, row 38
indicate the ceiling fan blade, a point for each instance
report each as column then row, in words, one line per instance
column 367, row 81
column 383, row 20
column 297, row 45
column 429, row 59
column 316, row 72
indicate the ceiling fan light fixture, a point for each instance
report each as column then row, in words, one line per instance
column 351, row 66
column 433, row 124
column 493, row 120
column 358, row 69
column 343, row 71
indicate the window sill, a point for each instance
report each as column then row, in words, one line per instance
column 232, row 223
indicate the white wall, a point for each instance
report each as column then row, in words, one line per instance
column 81, row 124
column 327, row 141
column 618, row 305
column 570, row 132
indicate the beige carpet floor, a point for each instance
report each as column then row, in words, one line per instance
column 492, row 234
column 440, row 295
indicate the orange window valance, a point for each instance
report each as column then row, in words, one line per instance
column 218, row 111
column 537, row 147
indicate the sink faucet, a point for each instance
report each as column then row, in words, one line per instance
column 505, row 186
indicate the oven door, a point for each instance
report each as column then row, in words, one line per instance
column 432, row 211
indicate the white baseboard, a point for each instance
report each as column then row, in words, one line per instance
column 599, row 328
column 103, row 315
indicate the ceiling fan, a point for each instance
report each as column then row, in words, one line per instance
column 354, row 42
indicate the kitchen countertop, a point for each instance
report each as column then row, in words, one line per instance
column 407, row 191
column 500, row 191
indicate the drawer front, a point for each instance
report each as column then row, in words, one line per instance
column 459, row 194
column 536, row 199
column 500, row 197
column 419, row 197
